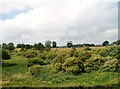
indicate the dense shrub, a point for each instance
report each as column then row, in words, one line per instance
column 37, row 61
column 5, row 55
column 34, row 69
column 73, row 52
column 43, row 55
column 60, row 58
column 94, row 63
column 110, row 65
column 51, row 56
column 73, row 65
column 87, row 48
column 110, row 51
column 84, row 56
column 57, row 67
column 30, row 54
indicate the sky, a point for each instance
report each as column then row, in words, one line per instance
column 79, row 21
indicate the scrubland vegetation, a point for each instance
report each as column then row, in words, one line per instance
column 61, row 67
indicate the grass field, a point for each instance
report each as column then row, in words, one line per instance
column 15, row 73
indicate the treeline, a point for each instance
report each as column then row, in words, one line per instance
column 49, row 44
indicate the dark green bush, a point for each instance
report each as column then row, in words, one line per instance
column 5, row 55
column 35, row 69
column 37, row 61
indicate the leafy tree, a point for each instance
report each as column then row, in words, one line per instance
column 19, row 46
column 10, row 46
column 4, row 45
column 48, row 45
column 105, row 43
column 116, row 42
column 69, row 44
column 27, row 46
column 39, row 46
column 54, row 44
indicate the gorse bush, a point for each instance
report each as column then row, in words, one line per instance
column 73, row 65
column 37, row 61
column 51, row 56
column 87, row 48
column 30, row 54
column 73, row 52
column 35, row 69
column 110, row 51
column 110, row 65
column 94, row 63
column 84, row 56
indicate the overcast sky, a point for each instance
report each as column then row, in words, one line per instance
column 80, row 21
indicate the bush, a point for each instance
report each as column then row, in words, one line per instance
column 5, row 55
column 35, row 69
column 73, row 52
column 110, row 65
column 110, row 51
column 30, row 54
column 57, row 67
column 51, row 56
column 37, row 61
column 73, row 65
column 84, row 56
column 43, row 55
column 87, row 48
column 94, row 63
column 60, row 58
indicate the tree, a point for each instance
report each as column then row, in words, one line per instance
column 69, row 44
column 54, row 44
column 116, row 42
column 10, row 46
column 27, row 46
column 19, row 46
column 48, row 45
column 105, row 43
column 39, row 46
column 4, row 45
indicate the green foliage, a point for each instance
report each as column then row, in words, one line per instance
column 94, row 63
column 111, row 65
column 84, row 56
column 87, row 48
column 30, row 54
column 54, row 44
column 110, row 51
column 47, row 45
column 51, row 56
column 37, row 61
column 5, row 55
column 73, row 65
column 35, row 69
column 105, row 43
column 69, row 44
column 73, row 52
column 39, row 46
